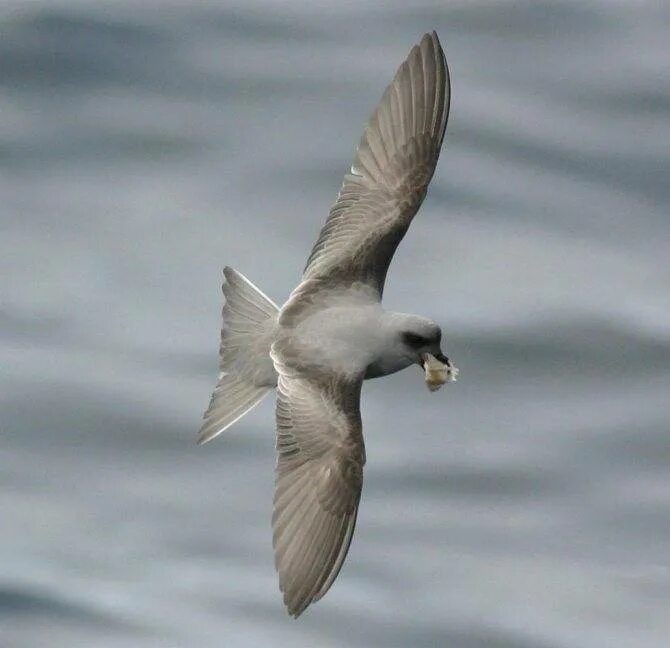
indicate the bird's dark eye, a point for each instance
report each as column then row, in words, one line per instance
column 414, row 340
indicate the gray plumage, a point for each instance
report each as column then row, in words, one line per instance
column 333, row 333
column 247, row 373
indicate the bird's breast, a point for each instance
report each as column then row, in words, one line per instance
column 343, row 339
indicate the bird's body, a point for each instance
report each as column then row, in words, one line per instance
column 362, row 336
column 333, row 333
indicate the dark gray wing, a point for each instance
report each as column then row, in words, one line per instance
column 390, row 173
column 319, row 477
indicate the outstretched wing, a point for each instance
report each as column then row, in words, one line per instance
column 390, row 173
column 318, row 480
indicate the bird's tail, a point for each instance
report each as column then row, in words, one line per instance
column 247, row 371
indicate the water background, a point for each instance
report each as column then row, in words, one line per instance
column 143, row 146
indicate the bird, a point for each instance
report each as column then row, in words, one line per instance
column 332, row 333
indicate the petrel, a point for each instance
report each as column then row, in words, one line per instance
column 333, row 333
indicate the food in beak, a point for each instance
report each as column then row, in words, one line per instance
column 438, row 372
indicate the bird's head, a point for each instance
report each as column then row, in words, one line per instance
column 422, row 341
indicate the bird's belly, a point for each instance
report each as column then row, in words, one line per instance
column 341, row 339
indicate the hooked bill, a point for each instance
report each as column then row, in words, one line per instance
column 437, row 372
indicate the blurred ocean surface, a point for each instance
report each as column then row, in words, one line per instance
column 143, row 146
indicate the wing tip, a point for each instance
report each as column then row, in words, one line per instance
column 296, row 610
column 204, row 438
column 207, row 433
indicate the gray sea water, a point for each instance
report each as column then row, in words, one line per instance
column 145, row 145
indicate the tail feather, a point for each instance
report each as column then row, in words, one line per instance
column 232, row 399
column 247, row 372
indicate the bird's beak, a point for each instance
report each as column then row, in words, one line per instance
column 438, row 370
column 443, row 358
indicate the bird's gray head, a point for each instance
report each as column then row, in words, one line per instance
column 421, row 339
column 419, row 336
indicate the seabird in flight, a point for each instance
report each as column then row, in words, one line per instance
column 333, row 333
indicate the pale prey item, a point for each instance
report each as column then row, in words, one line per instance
column 438, row 372
column 333, row 333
